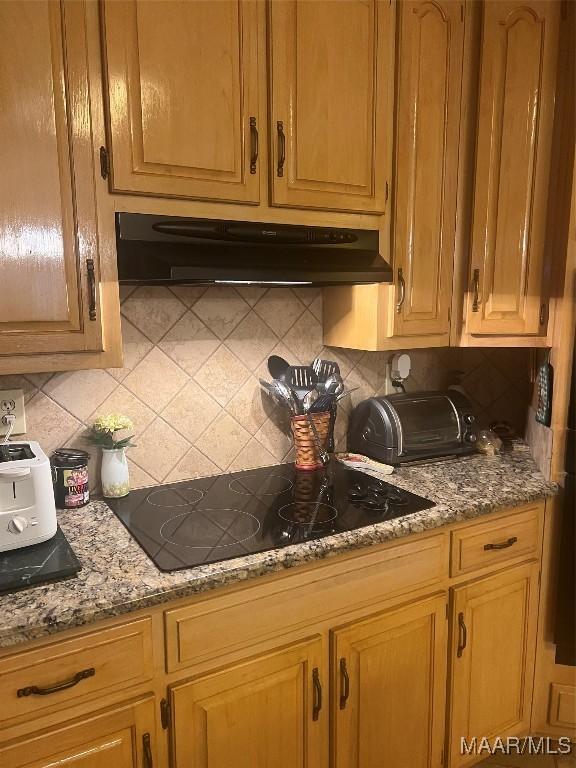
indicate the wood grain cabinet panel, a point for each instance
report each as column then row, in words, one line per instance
column 270, row 711
column 122, row 737
column 388, row 696
column 429, row 61
column 493, row 644
column 49, row 291
column 52, row 677
column 515, row 120
column 331, row 76
column 183, row 97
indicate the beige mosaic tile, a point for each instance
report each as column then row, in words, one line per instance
column 135, row 347
column 275, row 436
column 248, row 406
column 191, row 411
column 304, row 339
column 153, row 309
column 279, row 308
column 156, row 379
column 48, row 423
column 80, row 392
column 253, row 455
column 188, row 294
column 221, row 309
column 19, row 382
column 222, row 375
column 159, row 449
column 252, row 341
column 189, row 343
column 192, row 465
column 223, row 440
column 124, row 402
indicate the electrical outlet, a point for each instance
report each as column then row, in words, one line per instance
column 12, row 402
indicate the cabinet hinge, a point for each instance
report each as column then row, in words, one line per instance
column 386, row 198
column 104, row 163
column 165, row 714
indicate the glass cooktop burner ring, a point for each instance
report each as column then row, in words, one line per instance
column 222, row 532
column 271, row 486
column 308, row 513
column 174, row 498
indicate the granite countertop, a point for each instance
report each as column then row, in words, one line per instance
column 117, row 577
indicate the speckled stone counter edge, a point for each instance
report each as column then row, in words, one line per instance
column 118, row 577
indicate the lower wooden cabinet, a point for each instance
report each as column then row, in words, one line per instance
column 493, row 644
column 269, row 711
column 122, row 737
column 388, row 697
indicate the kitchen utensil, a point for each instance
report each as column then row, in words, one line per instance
column 325, row 368
column 309, row 399
column 346, row 393
column 302, row 377
column 288, row 396
column 322, row 403
column 334, row 385
column 278, row 367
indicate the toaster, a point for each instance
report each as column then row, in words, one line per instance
column 412, row 426
column 27, row 508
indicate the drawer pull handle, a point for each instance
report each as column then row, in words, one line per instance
column 148, row 762
column 91, row 288
column 462, row 635
column 476, row 289
column 401, row 290
column 34, row 690
column 253, row 145
column 502, row 544
column 317, row 705
column 344, row 684
column 281, row 148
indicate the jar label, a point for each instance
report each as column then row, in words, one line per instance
column 76, row 491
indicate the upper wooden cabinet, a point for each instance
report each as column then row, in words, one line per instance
column 187, row 88
column 429, row 64
column 183, row 97
column 515, row 121
column 331, row 72
column 49, row 239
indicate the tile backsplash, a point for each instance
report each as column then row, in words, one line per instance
column 192, row 358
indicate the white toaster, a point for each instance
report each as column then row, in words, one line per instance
column 27, row 508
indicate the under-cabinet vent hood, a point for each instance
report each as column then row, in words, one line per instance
column 166, row 249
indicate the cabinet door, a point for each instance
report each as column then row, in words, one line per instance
column 389, row 689
column 331, row 84
column 49, row 297
column 183, row 97
column 493, row 645
column 264, row 712
column 428, row 117
column 516, row 112
column 119, row 738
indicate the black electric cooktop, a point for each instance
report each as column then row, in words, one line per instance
column 51, row 560
column 217, row 518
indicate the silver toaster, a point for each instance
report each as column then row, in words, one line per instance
column 27, row 508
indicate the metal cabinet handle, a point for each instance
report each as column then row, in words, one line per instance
column 281, row 148
column 401, row 289
column 91, row 288
column 502, row 544
column 253, row 145
column 476, row 289
column 344, row 684
column 148, row 761
column 34, row 690
column 462, row 635
column 317, row 705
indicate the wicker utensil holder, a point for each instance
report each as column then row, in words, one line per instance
column 307, row 457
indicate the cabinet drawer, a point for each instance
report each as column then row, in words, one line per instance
column 496, row 541
column 52, row 676
column 213, row 627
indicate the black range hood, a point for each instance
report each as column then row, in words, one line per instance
column 156, row 250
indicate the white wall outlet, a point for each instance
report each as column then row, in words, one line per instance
column 12, row 402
